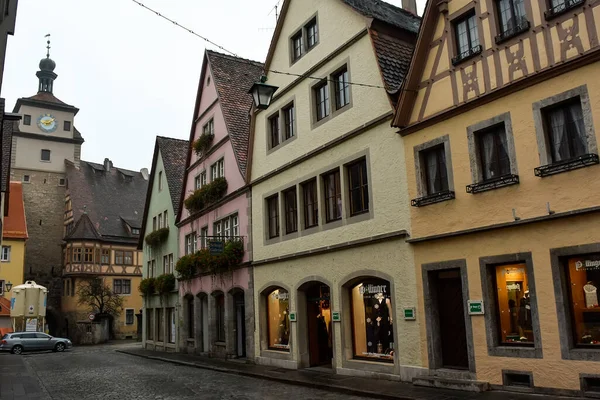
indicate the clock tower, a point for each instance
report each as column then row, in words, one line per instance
column 45, row 138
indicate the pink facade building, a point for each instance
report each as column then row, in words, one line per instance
column 218, row 308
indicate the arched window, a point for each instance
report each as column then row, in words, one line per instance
column 372, row 320
column 220, row 314
column 190, row 317
column 278, row 319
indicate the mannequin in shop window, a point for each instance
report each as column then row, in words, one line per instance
column 284, row 329
column 525, row 316
column 382, row 325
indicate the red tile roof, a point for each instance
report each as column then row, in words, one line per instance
column 4, row 307
column 15, row 225
column 47, row 97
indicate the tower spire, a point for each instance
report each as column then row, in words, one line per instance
column 46, row 73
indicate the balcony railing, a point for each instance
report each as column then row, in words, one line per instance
column 567, row 165
column 205, row 242
column 473, row 51
column 562, row 8
column 433, row 198
column 513, row 31
column 492, row 184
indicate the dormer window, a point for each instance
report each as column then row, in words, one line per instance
column 467, row 37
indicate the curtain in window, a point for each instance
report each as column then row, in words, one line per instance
column 560, row 148
column 436, row 171
column 577, row 132
column 567, row 132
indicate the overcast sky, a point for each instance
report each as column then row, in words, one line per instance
column 132, row 74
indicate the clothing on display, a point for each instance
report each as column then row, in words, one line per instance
column 279, row 320
column 583, row 273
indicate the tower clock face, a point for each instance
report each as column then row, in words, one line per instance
column 47, row 123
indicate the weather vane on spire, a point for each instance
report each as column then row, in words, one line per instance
column 48, row 46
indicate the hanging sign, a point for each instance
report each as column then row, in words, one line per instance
column 336, row 316
column 410, row 314
column 292, row 317
column 476, row 307
column 216, row 247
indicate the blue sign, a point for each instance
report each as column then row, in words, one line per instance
column 12, row 303
column 216, row 246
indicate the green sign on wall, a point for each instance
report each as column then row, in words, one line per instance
column 410, row 314
column 476, row 307
column 335, row 316
column 292, row 317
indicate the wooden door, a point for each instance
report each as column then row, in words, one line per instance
column 453, row 332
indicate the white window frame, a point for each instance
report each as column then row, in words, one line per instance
column 197, row 184
column 171, row 263
column 166, row 219
column 5, row 259
column 203, row 237
column 218, row 229
column 160, row 221
column 235, row 225
column 217, row 170
column 203, row 178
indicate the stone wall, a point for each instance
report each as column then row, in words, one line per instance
column 44, row 208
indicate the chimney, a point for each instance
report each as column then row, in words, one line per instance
column 107, row 164
column 144, row 172
column 410, row 6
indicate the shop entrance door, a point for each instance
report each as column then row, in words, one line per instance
column 204, row 318
column 451, row 314
column 240, row 324
column 319, row 325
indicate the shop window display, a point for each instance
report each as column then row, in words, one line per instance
column 583, row 275
column 372, row 321
column 278, row 320
column 513, row 304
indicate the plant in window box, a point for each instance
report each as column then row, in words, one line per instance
column 165, row 283
column 202, row 144
column 186, row 267
column 157, row 237
column 147, row 286
column 206, row 195
column 234, row 252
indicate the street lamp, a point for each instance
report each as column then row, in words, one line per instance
column 262, row 93
column 8, row 286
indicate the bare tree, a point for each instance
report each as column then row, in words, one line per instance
column 99, row 297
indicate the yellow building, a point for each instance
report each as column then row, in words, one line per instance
column 498, row 118
column 333, row 275
column 14, row 234
column 103, row 216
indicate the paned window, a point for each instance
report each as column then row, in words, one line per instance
column 273, row 216
column 297, row 46
column 170, row 269
column 227, row 227
column 88, row 255
column 291, row 210
column 5, row 256
column 289, row 117
column 311, row 204
column 274, row 129
column 235, row 225
column 165, row 219
column 565, row 130
column 77, row 252
column 122, row 286
column 467, row 37
column 105, row 258
column 129, row 316
column 312, row 34
column 218, row 230
column 203, row 237
column 436, row 174
column 119, row 257
column 160, row 221
column 513, row 305
column 358, row 187
column 209, row 128
column 166, row 264
column 372, row 320
column 45, row 155
column 512, row 15
column 342, row 89
column 220, row 314
column 190, row 243
column 322, row 100
column 203, row 178
column 493, row 152
column 278, row 320
column 217, row 170
column 128, row 258
column 333, row 196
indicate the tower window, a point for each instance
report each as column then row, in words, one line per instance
column 45, row 155
column 61, row 182
column 26, row 178
column 67, row 126
column 26, row 119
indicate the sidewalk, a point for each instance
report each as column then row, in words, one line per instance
column 351, row 385
column 17, row 382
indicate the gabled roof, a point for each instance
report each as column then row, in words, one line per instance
column 15, row 224
column 233, row 77
column 107, row 199
column 393, row 57
column 44, row 99
column 376, row 9
column 387, row 13
column 174, row 154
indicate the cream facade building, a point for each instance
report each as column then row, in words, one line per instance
column 333, row 274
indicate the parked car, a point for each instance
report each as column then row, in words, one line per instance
column 19, row 342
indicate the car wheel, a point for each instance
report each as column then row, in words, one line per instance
column 60, row 347
column 18, row 349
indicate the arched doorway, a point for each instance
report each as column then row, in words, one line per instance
column 239, row 315
column 314, row 315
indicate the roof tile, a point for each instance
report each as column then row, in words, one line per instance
column 394, row 57
column 386, row 12
column 15, row 224
column 174, row 156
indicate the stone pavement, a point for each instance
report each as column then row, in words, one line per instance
column 350, row 385
column 17, row 380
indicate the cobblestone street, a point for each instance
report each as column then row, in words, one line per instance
column 102, row 373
